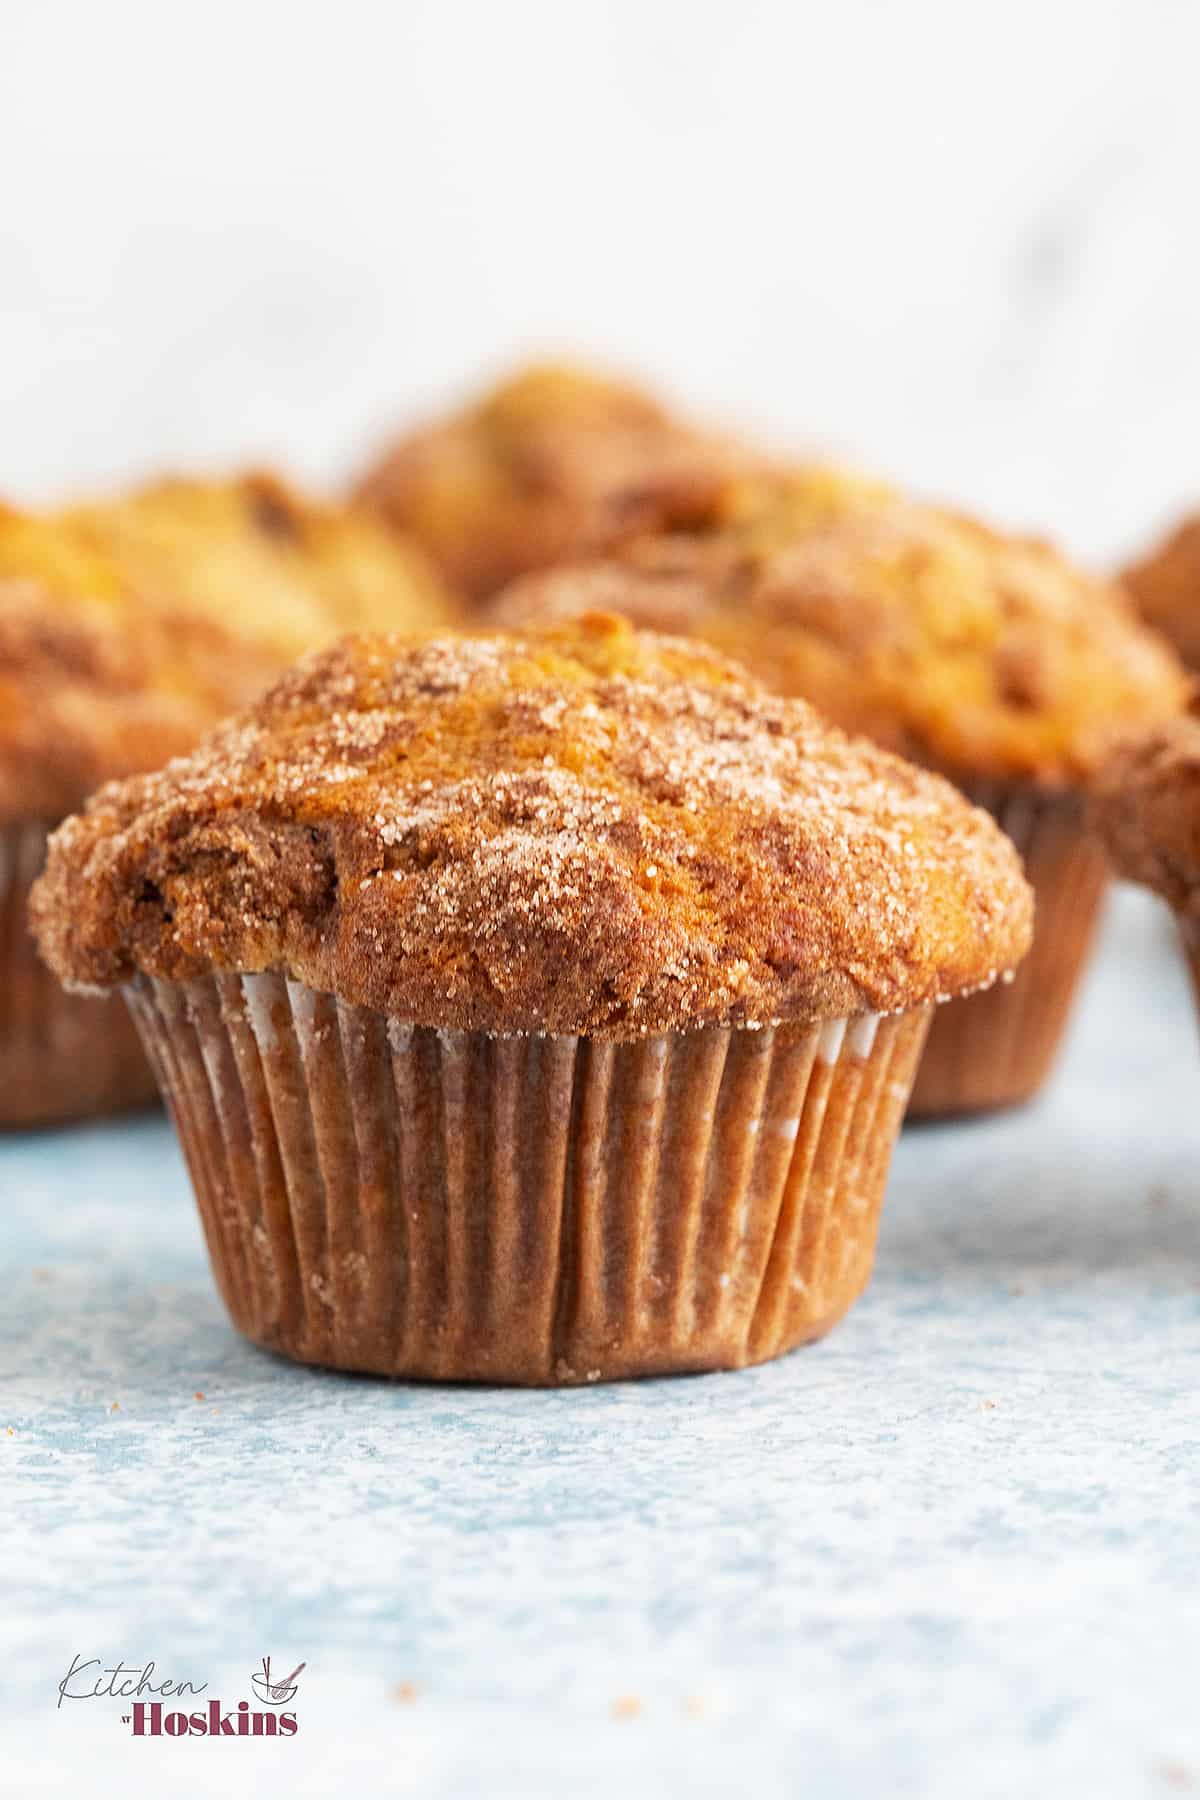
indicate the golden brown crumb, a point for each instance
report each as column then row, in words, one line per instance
column 579, row 829
column 405, row 1692
column 555, row 461
column 127, row 629
column 626, row 1706
column 978, row 654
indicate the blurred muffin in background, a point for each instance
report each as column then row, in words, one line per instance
column 987, row 657
column 1165, row 584
column 1146, row 806
column 127, row 629
column 555, row 462
column 282, row 569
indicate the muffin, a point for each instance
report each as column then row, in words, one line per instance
column 987, row 658
column 126, row 631
column 1165, row 584
column 533, row 1008
column 1146, row 807
column 554, row 462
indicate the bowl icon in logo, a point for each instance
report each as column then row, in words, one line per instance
column 275, row 1693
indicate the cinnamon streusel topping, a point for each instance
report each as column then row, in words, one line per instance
column 1146, row 807
column 578, row 829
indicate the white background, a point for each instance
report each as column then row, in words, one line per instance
column 959, row 241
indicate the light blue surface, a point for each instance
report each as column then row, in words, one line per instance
column 953, row 1550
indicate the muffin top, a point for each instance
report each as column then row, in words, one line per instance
column 556, row 461
column 127, row 629
column 986, row 656
column 1165, row 585
column 581, row 829
column 1146, row 807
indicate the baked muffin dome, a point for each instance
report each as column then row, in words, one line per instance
column 574, row 830
column 198, row 545
column 977, row 653
column 988, row 658
column 556, row 461
column 1165, row 585
column 1146, row 805
column 129, row 627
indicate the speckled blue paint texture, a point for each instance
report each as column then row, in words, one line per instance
column 953, row 1550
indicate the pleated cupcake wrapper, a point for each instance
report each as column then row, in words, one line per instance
column 997, row 1048
column 525, row 1209
column 61, row 1056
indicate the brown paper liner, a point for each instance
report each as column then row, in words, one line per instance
column 997, row 1048
column 62, row 1056
column 537, row 1210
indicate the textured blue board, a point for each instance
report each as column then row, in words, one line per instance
column 954, row 1549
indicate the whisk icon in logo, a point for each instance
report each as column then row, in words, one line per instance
column 274, row 1692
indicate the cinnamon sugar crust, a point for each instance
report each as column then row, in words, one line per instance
column 976, row 653
column 1165, row 585
column 581, row 829
column 1146, row 807
column 556, row 461
column 128, row 628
